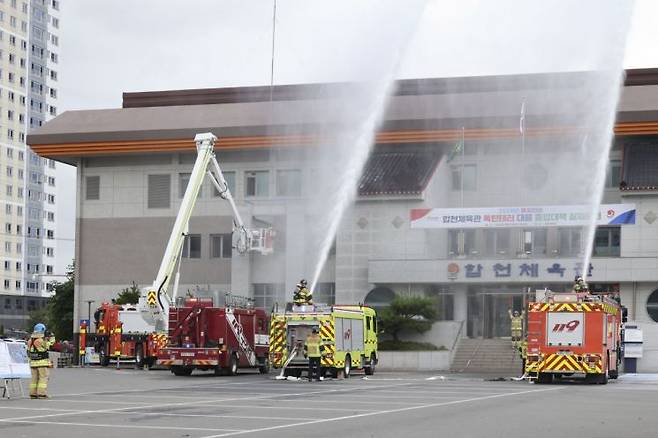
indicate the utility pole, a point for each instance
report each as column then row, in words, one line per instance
column 89, row 314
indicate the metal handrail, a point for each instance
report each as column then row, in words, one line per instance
column 459, row 332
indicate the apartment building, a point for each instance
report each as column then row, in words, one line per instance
column 29, row 52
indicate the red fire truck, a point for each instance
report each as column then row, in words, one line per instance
column 219, row 339
column 122, row 333
column 575, row 334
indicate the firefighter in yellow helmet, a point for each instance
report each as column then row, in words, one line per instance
column 313, row 350
column 302, row 295
column 37, row 351
column 516, row 326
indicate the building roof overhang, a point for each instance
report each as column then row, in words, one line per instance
column 421, row 111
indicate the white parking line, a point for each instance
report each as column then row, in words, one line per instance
column 24, row 408
column 167, row 388
column 200, row 402
column 124, row 426
column 244, row 417
column 389, row 411
column 287, row 408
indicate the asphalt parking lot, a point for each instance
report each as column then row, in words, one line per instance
column 128, row 403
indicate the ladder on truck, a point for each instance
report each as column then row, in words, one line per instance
column 240, row 336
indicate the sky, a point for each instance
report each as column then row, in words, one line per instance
column 124, row 45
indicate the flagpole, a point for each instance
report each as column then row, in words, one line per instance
column 462, row 173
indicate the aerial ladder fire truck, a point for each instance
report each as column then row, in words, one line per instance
column 197, row 326
column 574, row 334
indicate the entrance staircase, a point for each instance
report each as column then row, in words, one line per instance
column 491, row 356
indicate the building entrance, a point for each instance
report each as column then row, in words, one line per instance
column 488, row 312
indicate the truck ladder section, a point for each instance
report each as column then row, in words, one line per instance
column 239, row 335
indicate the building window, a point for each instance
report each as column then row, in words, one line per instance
column 229, row 177
column 570, row 241
column 8, row 208
column 613, row 175
column 266, row 294
column 462, row 242
column 607, row 242
column 221, row 246
column 257, row 183
column 50, row 216
column 51, row 199
column 8, row 285
column 92, row 192
column 652, row 305
column 10, row 190
column 10, row 153
column 183, row 181
column 159, row 191
column 497, row 241
column 534, row 241
column 288, row 183
column 192, row 246
column 18, row 285
column 464, row 177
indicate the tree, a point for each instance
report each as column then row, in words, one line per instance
column 129, row 295
column 58, row 313
column 60, row 307
column 408, row 313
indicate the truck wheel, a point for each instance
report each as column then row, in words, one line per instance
column 348, row 367
column 370, row 369
column 613, row 374
column 603, row 378
column 232, row 369
column 102, row 356
column 545, row 378
column 265, row 366
column 139, row 357
column 181, row 371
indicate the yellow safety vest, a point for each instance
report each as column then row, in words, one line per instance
column 37, row 351
column 313, row 345
column 517, row 323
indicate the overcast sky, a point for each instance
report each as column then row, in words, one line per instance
column 108, row 47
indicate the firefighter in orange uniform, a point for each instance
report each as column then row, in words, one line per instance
column 37, row 351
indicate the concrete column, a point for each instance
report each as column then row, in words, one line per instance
column 461, row 305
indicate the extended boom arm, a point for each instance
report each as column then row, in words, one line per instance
column 156, row 300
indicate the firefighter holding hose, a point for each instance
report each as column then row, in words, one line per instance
column 37, row 350
column 302, row 295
